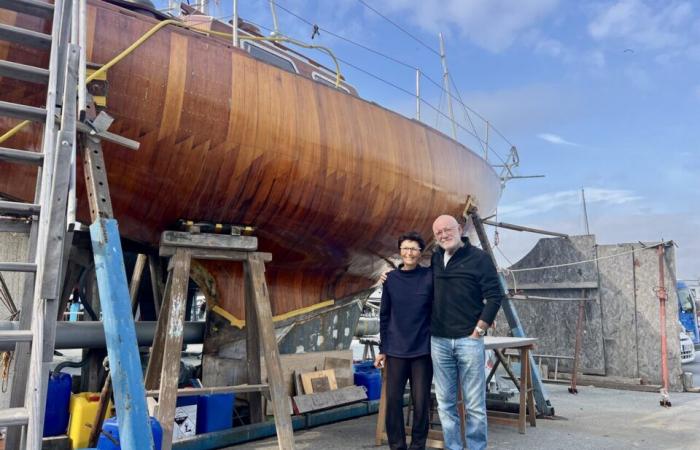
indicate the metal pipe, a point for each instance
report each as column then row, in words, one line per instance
column 275, row 25
column 91, row 334
column 446, row 82
column 510, row 226
column 577, row 344
column 236, row 42
column 82, row 66
column 661, row 293
column 367, row 326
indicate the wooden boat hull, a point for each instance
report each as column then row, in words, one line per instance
column 327, row 179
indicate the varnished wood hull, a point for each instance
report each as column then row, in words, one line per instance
column 328, row 180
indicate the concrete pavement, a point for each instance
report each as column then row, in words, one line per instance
column 596, row 418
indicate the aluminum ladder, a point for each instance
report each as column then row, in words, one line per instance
column 34, row 341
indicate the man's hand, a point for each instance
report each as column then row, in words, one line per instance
column 382, row 277
column 481, row 324
column 379, row 361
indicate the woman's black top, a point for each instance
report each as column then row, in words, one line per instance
column 404, row 316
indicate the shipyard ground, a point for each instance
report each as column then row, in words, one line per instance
column 596, row 418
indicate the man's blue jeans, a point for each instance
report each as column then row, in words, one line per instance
column 460, row 362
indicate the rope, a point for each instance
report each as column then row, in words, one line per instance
column 550, row 299
column 6, row 362
column 400, row 28
column 348, row 40
column 554, row 266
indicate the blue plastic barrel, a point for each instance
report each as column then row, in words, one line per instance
column 58, row 401
column 365, row 374
column 111, row 427
column 214, row 412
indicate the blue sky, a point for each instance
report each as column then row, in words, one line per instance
column 601, row 95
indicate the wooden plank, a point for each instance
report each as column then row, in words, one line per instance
column 328, row 399
column 240, row 389
column 155, row 362
column 208, row 241
column 309, row 362
column 278, row 391
column 136, row 280
column 500, row 342
column 531, row 410
column 157, row 288
column 524, row 369
column 342, row 368
column 253, row 355
column 125, row 364
column 381, row 414
column 310, row 385
column 173, row 345
column 213, row 254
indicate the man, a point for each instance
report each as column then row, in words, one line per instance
column 463, row 277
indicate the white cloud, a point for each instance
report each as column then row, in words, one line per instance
column 611, row 228
column 490, row 24
column 638, row 23
column 526, row 107
column 563, row 199
column 556, row 139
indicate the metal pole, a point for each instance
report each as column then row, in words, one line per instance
column 236, row 42
column 275, row 25
column 82, row 42
column 585, row 211
column 661, row 293
column 446, row 83
column 510, row 226
column 577, row 345
column 544, row 406
column 417, row 94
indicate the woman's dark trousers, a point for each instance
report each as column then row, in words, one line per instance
column 419, row 371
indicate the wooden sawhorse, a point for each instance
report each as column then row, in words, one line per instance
column 164, row 364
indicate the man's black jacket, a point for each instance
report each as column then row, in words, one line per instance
column 460, row 290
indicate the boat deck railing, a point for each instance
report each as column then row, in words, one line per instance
column 438, row 105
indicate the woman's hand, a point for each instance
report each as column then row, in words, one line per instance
column 379, row 361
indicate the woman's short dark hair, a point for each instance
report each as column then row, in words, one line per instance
column 412, row 236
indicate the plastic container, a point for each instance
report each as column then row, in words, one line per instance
column 57, row 406
column 370, row 377
column 215, row 412
column 111, row 427
column 83, row 409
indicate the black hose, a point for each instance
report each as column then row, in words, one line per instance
column 62, row 365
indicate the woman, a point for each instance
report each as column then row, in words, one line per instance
column 404, row 328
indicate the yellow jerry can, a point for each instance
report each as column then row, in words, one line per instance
column 83, row 409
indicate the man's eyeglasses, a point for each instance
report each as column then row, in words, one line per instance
column 410, row 249
column 446, row 231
